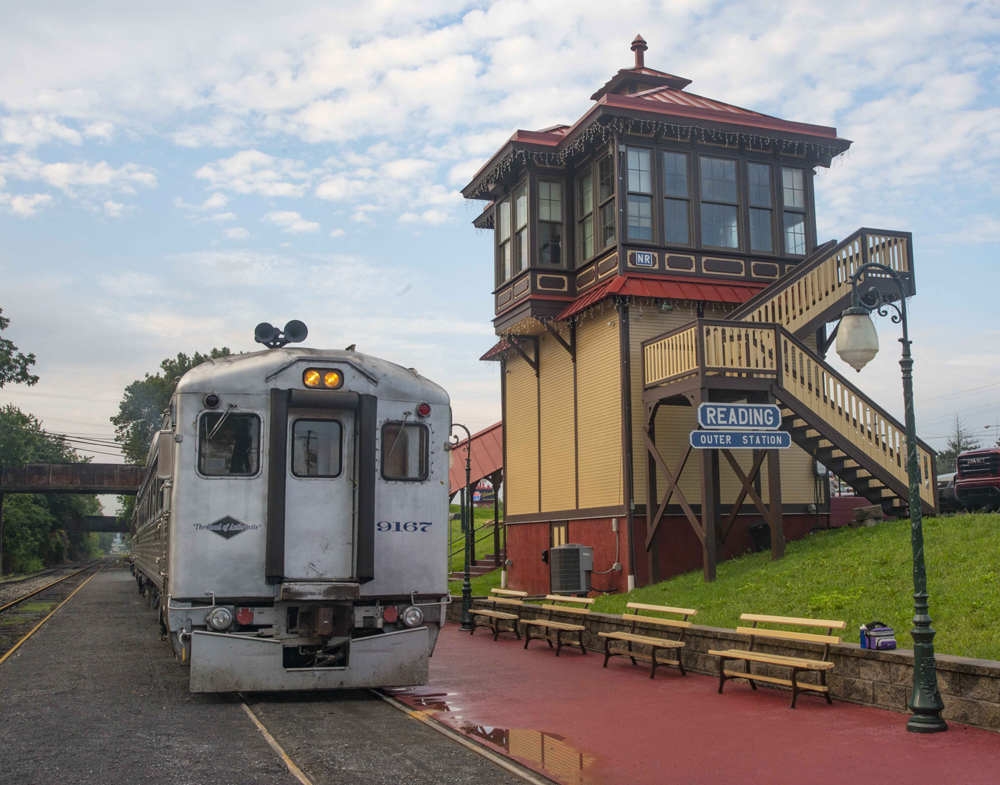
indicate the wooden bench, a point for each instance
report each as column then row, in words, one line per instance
column 796, row 664
column 554, row 630
column 655, row 644
column 506, row 598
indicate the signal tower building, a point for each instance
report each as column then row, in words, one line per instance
column 658, row 253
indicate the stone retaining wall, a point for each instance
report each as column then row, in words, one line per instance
column 883, row 679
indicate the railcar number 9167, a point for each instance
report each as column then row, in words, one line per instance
column 409, row 526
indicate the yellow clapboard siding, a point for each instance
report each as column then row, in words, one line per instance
column 558, row 442
column 521, row 426
column 598, row 373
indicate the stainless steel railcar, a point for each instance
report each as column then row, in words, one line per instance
column 292, row 526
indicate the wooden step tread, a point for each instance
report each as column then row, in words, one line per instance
column 660, row 643
column 772, row 659
column 775, row 680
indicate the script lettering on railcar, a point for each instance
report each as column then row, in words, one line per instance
column 227, row 527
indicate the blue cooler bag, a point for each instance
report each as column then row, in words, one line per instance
column 876, row 635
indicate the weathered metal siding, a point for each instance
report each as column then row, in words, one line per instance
column 522, row 438
column 598, row 374
column 557, row 438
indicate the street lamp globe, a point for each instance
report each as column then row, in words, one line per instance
column 857, row 340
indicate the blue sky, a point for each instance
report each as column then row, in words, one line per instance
column 171, row 175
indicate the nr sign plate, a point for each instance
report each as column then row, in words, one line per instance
column 740, row 440
column 756, row 416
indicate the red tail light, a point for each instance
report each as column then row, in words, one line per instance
column 423, row 409
column 244, row 615
column 390, row 613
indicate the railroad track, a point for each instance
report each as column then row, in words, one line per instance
column 20, row 619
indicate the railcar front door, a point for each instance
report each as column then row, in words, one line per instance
column 319, row 496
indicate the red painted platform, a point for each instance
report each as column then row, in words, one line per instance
column 575, row 722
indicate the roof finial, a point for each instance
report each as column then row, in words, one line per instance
column 639, row 46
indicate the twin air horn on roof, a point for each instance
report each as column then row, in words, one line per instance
column 273, row 338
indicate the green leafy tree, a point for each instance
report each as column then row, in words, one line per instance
column 34, row 534
column 960, row 440
column 140, row 412
column 13, row 364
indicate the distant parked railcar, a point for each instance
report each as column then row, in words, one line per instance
column 292, row 524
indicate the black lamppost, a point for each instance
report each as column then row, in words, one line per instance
column 857, row 344
column 467, row 521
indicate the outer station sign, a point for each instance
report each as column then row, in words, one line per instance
column 739, row 426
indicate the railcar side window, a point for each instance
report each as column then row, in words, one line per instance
column 316, row 448
column 404, row 451
column 228, row 444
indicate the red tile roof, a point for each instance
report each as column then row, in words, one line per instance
column 663, row 289
column 487, row 457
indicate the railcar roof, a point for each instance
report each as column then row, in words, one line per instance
column 256, row 371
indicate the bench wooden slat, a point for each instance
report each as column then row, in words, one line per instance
column 788, row 635
column 494, row 614
column 773, row 659
column 653, row 620
column 828, row 623
column 640, row 656
column 775, row 680
column 640, row 606
column 567, row 609
column 504, row 601
column 661, row 643
column 553, row 624
column 509, row 592
column 560, row 598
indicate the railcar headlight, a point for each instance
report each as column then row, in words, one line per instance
column 220, row 619
column 331, row 379
column 311, row 378
column 412, row 616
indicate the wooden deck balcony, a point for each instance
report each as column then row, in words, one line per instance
column 826, row 414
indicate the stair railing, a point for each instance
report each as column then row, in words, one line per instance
column 770, row 353
column 871, row 430
column 804, row 298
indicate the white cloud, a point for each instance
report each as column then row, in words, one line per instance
column 236, row 233
column 223, row 217
column 337, row 233
column 113, row 209
column 434, row 217
column 33, row 130
column 251, row 171
column 291, row 221
column 100, row 176
column 220, row 132
column 24, row 205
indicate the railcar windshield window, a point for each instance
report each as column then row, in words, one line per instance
column 316, row 448
column 404, row 451
column 233, row 450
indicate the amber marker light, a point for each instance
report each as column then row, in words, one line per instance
column 311, row 378
column 331, row 379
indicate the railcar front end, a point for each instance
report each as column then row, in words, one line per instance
column 298, row 537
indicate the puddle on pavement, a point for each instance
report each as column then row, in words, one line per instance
column 548, row 752
column 427, row 701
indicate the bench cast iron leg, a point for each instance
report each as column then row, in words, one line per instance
column 607, row 652
column 582, row 647
column 655, row 662
column 496, row 629
column 558, row 641
column 517, row 632
column 680, row 663
column 822, row 681
column 472, row 624
column 527, row 635
column 630, row 653
column 795, row 686
column 722, row 673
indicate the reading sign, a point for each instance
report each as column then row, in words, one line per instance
column 759, row 416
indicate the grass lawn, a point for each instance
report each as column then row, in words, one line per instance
column 858, row 575
column 481, row 584
column 484, row 517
